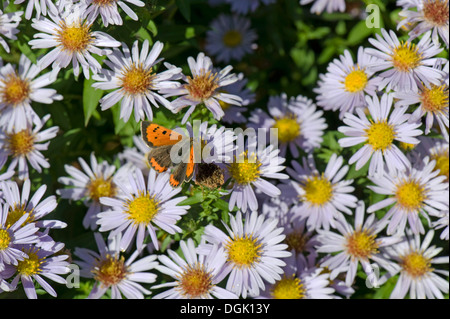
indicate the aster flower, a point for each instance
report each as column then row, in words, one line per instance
column 230, row 38
column 108, row 10
column 111, row 271
column 249, row 169
column 436, row 149
column 254, row 252
column 134, row 81
column 442, row 222
column 378, row 134
column 8, row 27
column 72, row 40
column 321, row 5
column 25, row 146
column 18, row 89
column 321, row 197
column 41, row 6
column 405, row 64
column 298, row 123
column 204, row 86
column 413, row 259
column 196, row 276
column 411, row 193
column 358, row 244
column 344, row 86
column 136, row 156
column 246, row 6
column 40, row 264
column 141, row 208
column 426, row 15
column 90, row 184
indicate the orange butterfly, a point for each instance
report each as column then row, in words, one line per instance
column 161, row 140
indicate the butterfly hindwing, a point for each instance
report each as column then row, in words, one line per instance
column 190, row 165
column 159, row 158
column 178, row 175
column 155, row 135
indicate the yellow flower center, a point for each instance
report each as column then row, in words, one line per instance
column 434, row 99
column 288, row 288
column 137, row 80
column 442, row 162
column 355, row 81
column 361, row 245
column 110, row 271
column 20, row 143
column 99, row 187
column 318, row 190
column 407, row 146
column 288, row 128
column 416, row 264
column 202, row 86
column 15, row 213
column 232, row 38
column 142, row 209
column 76, row 37
column 195, row 282
column 436, row 12
column 245, row 169
column 31, row 265
column 380, row 136
column 410, row 195
column 243, row 251
column 406, row 57
column 15, row 90
column 104, row 3
column 296, row 240
column 5, row 239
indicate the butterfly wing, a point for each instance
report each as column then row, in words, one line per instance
column 184, row 170
column 155, row 135
column 159, row 158
column 190, row 165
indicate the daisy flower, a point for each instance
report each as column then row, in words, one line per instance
column 346, row 83
column 254, row 252
column 321, row 197
column 40, row 264
column 8, row 27
column 18, row 89
column 90, row 184
column 427, row 15
column 413, row 259
column 298, row 123
column 354, row 245
column 196, row 276
column 405, row 64
column 134, row 81
column 411, row 193
column 442, row 222
column 248, row 170
column 41, row 6
column 73, row 41
column 321, row 5
column 109, row 12
column 204, row 86
column 247, row 6
column 141, row 208
column 378, row 133
column 111, row 271
column 25, row 146
column 230, row 38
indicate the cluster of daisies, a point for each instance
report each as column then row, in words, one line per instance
column 295, row 229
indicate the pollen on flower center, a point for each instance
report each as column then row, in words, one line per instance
column 99, row 187
column 5, row 239
column 380, row 136
column 355, row 81
column 104, row 3
column 195, row 282
column 416, row 265
column 296, row 240
column 442, row 162
column 232, row 38
column 318, row 191
column 76, row 37
column 245, row 169
column 202, row 86
column 288, row 128
column 20, row 143
column 361, row 245
column 288, row 288
column 436, row 12
column 15, row 213
column 243, row 251
column 15, row 90
column 31, row 265
column 434, row 99
column 406, row 57
column 110, row 270
column 137, row 80
column 142, row 209
column 410, row 195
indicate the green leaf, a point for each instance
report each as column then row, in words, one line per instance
column 91, row 96
column 194, row 199
column 359, row 33
column 185, row 8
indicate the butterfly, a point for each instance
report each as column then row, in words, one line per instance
column 162, row 140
